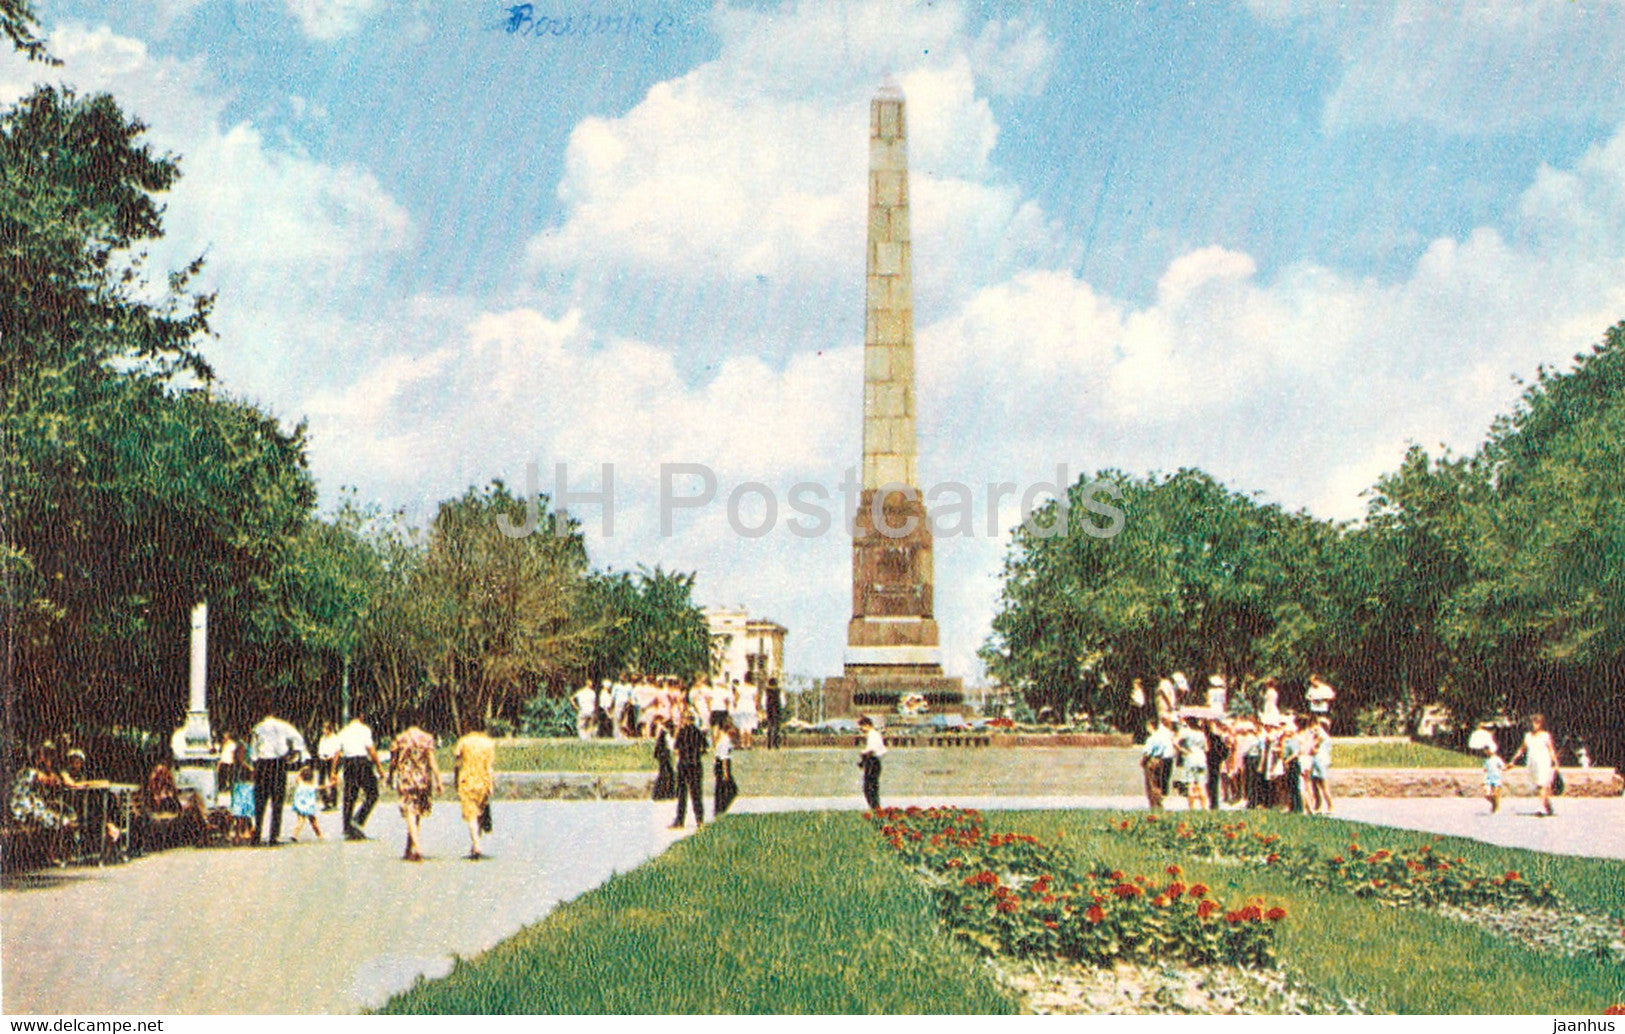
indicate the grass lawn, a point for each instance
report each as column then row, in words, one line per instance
column 925, row 771
column 757, row 914
column 809, row 913
column 1399, row 755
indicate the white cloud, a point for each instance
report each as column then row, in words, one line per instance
column 1477, row 68
column 753, row 165
column 293, row 237
column 332, row 19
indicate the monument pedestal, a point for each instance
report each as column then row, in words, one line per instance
column 879, row 692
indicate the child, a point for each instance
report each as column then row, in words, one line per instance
column 307, row 800
column 1494, row 770
column 241, row 774
column 1193, row 759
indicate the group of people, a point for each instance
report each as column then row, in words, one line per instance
column 631, row 709
column 39, row 801
column 1538, row 750
column 687, row 746
column 1240, row 762
column 1214, row 759
column 256, row 772
column 679, row 760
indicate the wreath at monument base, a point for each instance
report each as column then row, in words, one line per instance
column 912, row 704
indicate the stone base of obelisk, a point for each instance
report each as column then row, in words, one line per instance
column 878, row 692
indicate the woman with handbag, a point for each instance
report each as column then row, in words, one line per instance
column 1542, row 755
column 476, row 755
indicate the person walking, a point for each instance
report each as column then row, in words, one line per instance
column 475, row 775
column 690, row 751
column 327, row 752
column 1494, row 774
column 665, row 777
column 586, row 700
column 361, row 768
column 307, row 799
column 1193, row 761
column 272, row 743
column 1155, row 756
column 726, row 789
column 1541, row 752
column 874, row 748
column 415, row 775
column 774, row 704
column 1320, row 764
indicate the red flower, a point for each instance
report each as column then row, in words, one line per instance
column 1152, row 818
column 1052, row 924
column 1234, row 917
column 1117, row 874
column 1174, row 870
column 1252, row 912
column 1095, row 914
column 1337, row 859
column 1377, row 883
column 1617, row 1009
column 1513, row 877
column 1198, row 890
column 1272, row 859
column 1141, row 880
column 1127, row 890
column 1205, row 909
column 1160, row 901
column 1007, row 905
column 1276, row 914
column 1380, row 856
column 1176, row 890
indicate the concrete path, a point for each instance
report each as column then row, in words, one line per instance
column 312, row 927
column 333, row 927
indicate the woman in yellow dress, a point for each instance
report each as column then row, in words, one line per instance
column 476, row 755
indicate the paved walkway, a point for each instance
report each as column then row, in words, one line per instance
column 332, row 927
column 312, row 927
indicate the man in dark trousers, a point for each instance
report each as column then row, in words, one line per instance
column 775, row 713
column 359, row 756
column 690, row 746
column 272, row 743
column 874, row 748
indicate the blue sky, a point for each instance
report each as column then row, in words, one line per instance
column 1278, row 241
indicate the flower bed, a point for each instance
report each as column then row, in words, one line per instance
column 1011, row 893
column 1422, row 876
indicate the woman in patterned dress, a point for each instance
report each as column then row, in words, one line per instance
column 35, row 801
column 415, row 775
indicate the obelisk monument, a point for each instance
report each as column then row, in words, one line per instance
column 892, row 639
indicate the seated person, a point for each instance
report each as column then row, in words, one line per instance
column 35, row 804
column 95, row 806
column 165, row 815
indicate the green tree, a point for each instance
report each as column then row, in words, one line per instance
column 128, row 488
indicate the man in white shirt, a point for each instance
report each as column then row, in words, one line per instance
column 874, row 748
column 358, row 753
column 586, row 699
column 1155, row 757
column 271, row 745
